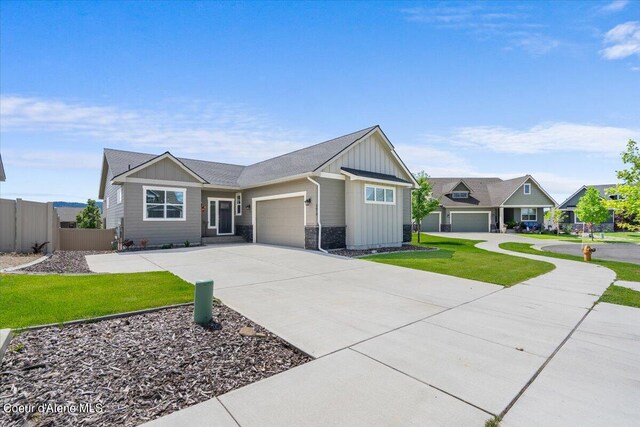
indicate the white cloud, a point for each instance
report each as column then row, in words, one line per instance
column 615, row 6
column 233, row 134
column 49, row 159
column 486, row 21
column 547, row 137
column 434, row 161
column 623, row 41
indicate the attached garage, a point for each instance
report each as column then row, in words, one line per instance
column 431, row 222
column 463, row 221
column 280, row 221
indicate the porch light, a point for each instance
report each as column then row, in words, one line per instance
column 307, row 202
column 248, row 207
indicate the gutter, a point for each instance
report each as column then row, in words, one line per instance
column 319, row 223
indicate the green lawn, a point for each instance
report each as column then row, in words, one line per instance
column 622, row 296
column 460, row 258
column 624, row 270
column 616, row 237
column 28, row 300
column 614, row 294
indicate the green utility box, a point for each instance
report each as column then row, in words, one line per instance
column 203, row 302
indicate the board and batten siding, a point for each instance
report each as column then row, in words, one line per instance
column 160, row 232
column 372, row 154
column 165, row 169
column 332, row 202
column 536, row 198
column 281, row 188
column 371, row 225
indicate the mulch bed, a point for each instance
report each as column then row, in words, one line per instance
column 63, row 262
column 355, row 253
column 137, row 368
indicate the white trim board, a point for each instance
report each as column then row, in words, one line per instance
column 216, row 226
column 471, row 212
column 354, row 177
column 255, row 200
column 374, row 202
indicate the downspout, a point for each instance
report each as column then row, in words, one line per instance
column 319, row 222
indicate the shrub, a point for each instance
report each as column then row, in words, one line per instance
column 38, row 247
column 144, row 243
column 187, row 243
column 167, row 246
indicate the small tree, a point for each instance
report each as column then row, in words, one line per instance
column 627, row 205
column 90, row 216
column 556, row 216
column 422, row 204
column 591, row 209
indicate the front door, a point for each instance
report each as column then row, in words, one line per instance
column 225, row 217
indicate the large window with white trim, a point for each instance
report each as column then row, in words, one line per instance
column 529, row 214
column 376, row 194
column 164, row 203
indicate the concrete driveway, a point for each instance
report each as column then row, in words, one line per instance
column 625, row 252
column 397, row 346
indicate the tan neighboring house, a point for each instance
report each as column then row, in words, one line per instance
column 3, row 177
column 484, row 204
column 67, row 216
column 352, row 191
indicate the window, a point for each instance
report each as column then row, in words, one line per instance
column 527, row 188
column 379, row 195
column 107, row 202
column 528, row 214
column 460, row 195
column 213, row 212
column 164, row 204
column 119, row 195
column 238, row 204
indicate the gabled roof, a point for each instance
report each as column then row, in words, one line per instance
column 600, row 187
column 3, row 177
column 300, row 162
column 67, row 214
column 485, row 192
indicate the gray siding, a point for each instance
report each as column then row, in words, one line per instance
column 371, row 225
column 282, row 188
column 536, row 198
column 517, row 215
column 332, row 200
column 371, row 154
column 573, row 201
column 160, row 232
column 165, row 169
column 116, row 210
column 406, row 206
column 460, row 187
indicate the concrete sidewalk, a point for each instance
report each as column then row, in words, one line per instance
column 397, row 346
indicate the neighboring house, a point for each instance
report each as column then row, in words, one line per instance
column 353, row 191
column 3, row 177
column 569, row 205
column 67, row 216
column 483, row 204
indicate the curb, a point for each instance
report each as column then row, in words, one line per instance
column 5, row 338
column 100, row 318
column 29, row 264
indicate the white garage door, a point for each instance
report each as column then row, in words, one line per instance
column 470, row 221
column 280, row 222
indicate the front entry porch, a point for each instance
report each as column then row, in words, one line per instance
column 218, row 217
column 529, row 216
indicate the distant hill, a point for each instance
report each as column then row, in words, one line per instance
column 73, row 205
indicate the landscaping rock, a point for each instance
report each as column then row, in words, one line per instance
column 355, row 253
column 63, row 262
column 138, row 368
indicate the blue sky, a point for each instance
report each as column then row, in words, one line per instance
column 461, row 89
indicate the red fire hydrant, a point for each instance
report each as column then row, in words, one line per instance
column 587, row 251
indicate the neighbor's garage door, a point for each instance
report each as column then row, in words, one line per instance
column 470, row 221
column 280, row 222
column 431, row 222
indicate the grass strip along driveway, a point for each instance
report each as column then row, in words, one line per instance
column 460, row 258
column 29, row 300
column 614, row 294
